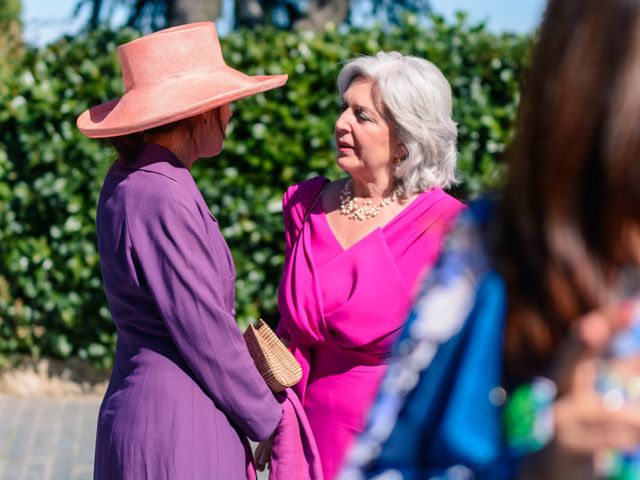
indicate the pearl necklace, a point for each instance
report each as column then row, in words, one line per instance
column 350, row 208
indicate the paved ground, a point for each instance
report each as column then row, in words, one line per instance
column 48, row 438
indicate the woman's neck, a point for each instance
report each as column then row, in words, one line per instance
column 373, row 188
column 179, row 144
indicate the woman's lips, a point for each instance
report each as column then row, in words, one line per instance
column 344, row 147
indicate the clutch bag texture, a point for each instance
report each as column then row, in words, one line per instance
column 276, row 364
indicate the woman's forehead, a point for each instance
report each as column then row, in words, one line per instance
column 367, row 93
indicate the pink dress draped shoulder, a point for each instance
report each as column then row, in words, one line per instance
column 342, row 308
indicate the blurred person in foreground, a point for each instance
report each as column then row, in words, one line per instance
column 355, row 247
column 504, row 368
column 184, row 393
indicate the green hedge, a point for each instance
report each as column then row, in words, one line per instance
column 51, row 298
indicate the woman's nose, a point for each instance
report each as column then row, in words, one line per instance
column 342, row 122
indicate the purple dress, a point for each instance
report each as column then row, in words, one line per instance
column 342, row 308
column 184, row 391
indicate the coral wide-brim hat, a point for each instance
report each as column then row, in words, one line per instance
column 168, row 76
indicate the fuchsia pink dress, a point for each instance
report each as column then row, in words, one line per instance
column 341, row 309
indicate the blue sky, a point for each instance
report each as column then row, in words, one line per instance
column 46, row 20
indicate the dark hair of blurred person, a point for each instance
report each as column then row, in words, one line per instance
column 571, row 214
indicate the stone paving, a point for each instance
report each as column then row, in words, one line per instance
column 49, row 438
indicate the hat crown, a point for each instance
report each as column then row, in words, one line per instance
column 174, row 53
column 171, row 75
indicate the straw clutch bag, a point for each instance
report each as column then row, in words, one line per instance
column 276, row 364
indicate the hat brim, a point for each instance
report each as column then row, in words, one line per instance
column 144, row 108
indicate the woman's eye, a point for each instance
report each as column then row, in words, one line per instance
column 361, row 115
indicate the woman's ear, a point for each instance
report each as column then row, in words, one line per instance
column 401, row 152
column 205, row 118
column 194, row 124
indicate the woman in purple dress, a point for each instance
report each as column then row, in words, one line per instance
column 355, row 247
column 184, row 393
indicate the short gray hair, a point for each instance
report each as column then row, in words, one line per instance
column 417, row 97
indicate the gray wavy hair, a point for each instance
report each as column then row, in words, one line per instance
column 416, row 100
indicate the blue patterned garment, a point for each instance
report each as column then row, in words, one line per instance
column 438, row 412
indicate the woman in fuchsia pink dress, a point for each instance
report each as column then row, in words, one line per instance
column 355, row 247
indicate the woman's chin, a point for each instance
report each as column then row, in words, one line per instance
column 211, row 152
column 346, row 163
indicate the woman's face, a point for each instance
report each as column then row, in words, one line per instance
column 212, row 133
column 366, row 145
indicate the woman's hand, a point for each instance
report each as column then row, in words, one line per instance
column 586, row 425
column 262, row 454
